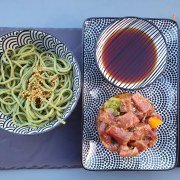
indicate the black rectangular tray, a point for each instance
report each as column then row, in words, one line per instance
column 59, row 148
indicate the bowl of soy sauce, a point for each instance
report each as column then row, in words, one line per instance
column 131, row 53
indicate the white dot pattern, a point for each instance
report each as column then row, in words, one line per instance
column 162, row 93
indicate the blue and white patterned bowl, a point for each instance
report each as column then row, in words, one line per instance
column 44, row 42
column 152, row 32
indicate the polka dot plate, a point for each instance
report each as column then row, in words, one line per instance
column 162, row 93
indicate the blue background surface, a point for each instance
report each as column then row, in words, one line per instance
column 70, row 14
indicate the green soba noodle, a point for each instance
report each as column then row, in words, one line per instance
column 35, row 86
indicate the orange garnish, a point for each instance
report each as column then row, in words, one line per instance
column 154, row 122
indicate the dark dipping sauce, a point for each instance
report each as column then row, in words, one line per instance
column 129, row 55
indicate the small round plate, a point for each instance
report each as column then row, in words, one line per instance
column 134, row 51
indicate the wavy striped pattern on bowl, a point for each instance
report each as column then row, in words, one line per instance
column 149, row 29
column 44, row 42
